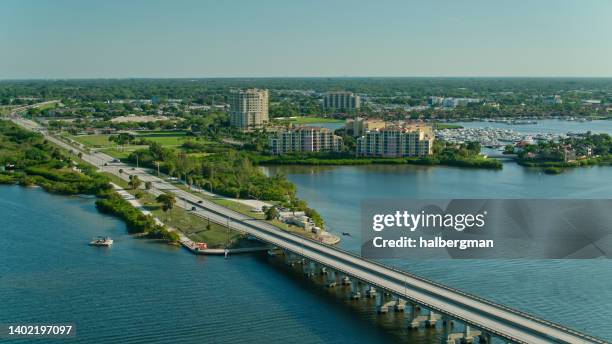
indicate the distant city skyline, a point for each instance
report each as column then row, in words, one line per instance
column 207, row 39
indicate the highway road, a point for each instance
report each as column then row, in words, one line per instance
column 485, row 315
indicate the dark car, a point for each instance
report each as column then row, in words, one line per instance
column 193, row 208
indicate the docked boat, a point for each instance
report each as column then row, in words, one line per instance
column 101, row 241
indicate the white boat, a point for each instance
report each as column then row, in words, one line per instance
column 101, row 241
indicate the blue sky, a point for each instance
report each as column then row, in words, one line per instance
column 183, row 38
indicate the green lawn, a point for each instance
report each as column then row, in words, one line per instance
column 441, row 126
column 193, row 226
column 161, row 133
column 165, row 138
column 93, row 140
column 167, row 141
column 121, row 153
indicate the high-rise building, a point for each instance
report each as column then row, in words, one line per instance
column 305, row 139
column 248, row 108
column 396, row 142
column 346, row 101
column 358, row 126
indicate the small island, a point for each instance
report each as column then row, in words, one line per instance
column 553, row 157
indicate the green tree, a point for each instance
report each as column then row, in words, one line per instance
column 134, row 182
column 271, row 213
column 167, row 201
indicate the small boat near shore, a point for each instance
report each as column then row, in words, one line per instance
column 101, row 241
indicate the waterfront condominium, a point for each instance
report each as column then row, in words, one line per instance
column 248, row 108
column 396, row 142
column 359, row 126
column 304, row 139
column 346, row 101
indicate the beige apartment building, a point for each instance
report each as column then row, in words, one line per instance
column 359, row 126
column 397, row 141
column 248, row 108
column 304, row 139
column 346, row 101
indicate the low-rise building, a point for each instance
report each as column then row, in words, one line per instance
column 553, row 100
column 304, row 139
column 397, row 141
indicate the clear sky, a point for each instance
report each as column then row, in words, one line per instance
column 199, row 38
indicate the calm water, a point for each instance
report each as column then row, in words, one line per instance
column 143, row 292
column 565, row 291
column 552, row 126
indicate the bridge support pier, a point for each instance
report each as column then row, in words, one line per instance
column 371, row 291
column 323, row 270
column 400, row 305
column 465, row 337
column 331, row 279
column 355, row 293
column 346, row 280
column 381, row 306
column 432, row 319
column 395, row 303
column 309, row 269
column 485, row 338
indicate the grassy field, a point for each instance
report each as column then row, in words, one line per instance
column 441, row 126
column 122, row 153
column 195, row 227
column 168, row 141
column 246, row 210
column 93, row 140
column 165, row 138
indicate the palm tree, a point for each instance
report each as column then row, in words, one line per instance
column 148, row 185
column 134, row 182
column 167, row 201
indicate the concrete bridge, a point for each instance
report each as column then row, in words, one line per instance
column 438, row 302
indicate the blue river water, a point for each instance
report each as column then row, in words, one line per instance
column 564, row 291
column 575, row 293
column 140, row 291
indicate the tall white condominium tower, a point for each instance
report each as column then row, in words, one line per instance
column 342, row 101
column 248, row 108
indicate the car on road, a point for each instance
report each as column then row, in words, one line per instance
column 193, row 208
column 200, row 201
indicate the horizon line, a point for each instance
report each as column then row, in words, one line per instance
column 302, row 77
